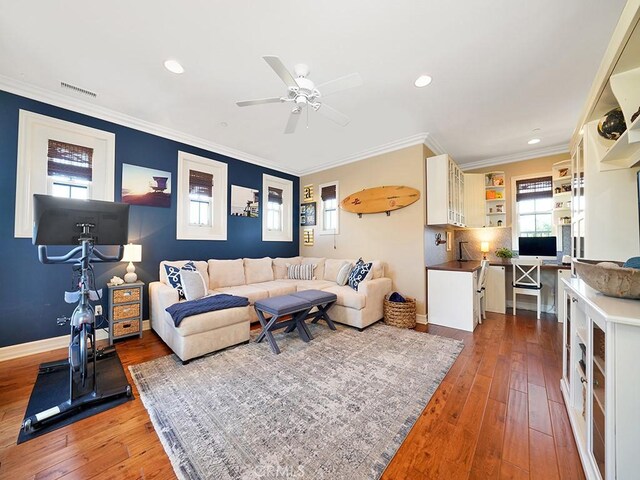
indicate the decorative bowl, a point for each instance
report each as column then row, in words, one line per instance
column 610, row 278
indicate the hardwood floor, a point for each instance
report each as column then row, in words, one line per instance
column 497, row 414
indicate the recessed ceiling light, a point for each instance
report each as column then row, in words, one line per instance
column 173, row 66
column 224, row 124
column 533, row 141
column 423, row 81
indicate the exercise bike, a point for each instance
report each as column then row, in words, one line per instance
column 95, row 376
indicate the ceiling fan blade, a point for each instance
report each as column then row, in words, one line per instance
column 339, row 84
column 278, row 67
column 260, row 101
column 292, row 123
column 334, row 115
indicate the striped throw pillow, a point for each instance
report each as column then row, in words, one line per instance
column 300, row 272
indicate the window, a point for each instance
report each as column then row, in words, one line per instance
column 62, row 159
column 69, row 170
column 202, row 198
column 329, row 206
column 277, row 214
column 534, row 207
column 274, row 210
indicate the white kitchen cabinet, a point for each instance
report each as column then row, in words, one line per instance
column 494, row 290
column 445, row 192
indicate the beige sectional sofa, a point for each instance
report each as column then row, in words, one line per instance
column 257, row 279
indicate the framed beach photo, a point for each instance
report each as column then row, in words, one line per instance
column 146, row 186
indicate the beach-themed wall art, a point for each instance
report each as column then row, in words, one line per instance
column 307, row 214
column 244, row 201
column 146, row 186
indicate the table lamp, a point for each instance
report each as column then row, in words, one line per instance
column 132, row 253
column 484, row 248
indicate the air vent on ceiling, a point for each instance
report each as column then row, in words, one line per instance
column 76, row 89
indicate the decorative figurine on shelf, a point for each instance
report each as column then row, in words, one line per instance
column 612, row 125
column 116, row 281
column 499, row 223
column 557, row 190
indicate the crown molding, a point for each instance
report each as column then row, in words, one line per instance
column 370, row 152
column 516, row 157
column 33, row 92
column 434, row 145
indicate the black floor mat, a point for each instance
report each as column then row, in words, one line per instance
column 52, row 389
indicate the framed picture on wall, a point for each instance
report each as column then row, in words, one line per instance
column 244, row 202
column 307, row 193
column 146, row 186
column 308, row 214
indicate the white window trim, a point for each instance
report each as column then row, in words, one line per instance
column 34, row 133
column 286, row 234
column 218, row 228
column 329, row 231
column 515, row 224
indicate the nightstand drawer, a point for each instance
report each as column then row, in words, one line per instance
column 126, row 295
column 121, row 329
column 122, row 312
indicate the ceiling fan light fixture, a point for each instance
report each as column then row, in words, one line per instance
column 533, row 141
column 423, row 81
column 174, row 66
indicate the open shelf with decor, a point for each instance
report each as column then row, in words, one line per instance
column 561, row 178
column 495, row 199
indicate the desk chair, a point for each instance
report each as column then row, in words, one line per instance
column 526, row 280
column 481, row 301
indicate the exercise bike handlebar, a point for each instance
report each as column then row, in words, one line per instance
column 96, row 256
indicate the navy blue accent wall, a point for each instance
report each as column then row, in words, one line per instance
column 31, row 294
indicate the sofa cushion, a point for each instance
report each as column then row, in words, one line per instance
column 249, row 291
column 205, row 322
column 319, row 263
column 276, row 288
column 200, row 266
column 308, row 284
column 226, row 273
column 377, row 270
column 348, row 297
column 193, row 285
column 332, row 268
column 360, row 271
column 258, row 270
column 343, row 274
column 174, row 278
column 280, row 266
column 301, row 272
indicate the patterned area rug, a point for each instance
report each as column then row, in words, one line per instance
column 336, row 408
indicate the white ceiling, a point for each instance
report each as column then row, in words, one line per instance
column 501, row 69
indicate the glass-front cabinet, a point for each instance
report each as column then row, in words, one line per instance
column 597, row 400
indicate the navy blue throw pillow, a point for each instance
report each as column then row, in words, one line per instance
column 359, row 273
column 173, row 276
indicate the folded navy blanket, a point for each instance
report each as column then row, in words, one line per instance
column 180, row 310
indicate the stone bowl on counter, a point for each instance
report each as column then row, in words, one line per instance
column 610, row 278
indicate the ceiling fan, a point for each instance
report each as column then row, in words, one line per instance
column 302, row 92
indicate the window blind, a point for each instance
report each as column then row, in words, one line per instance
column 200, row 183
column 533, row 188
column 328, row 193
column 275, row 195
column 69, row 160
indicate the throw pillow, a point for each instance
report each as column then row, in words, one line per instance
column 359, row 273
column 193, row 284
column 300, row 272
column 173, row 276
column 343, row 274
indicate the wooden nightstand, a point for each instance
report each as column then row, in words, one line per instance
column 124, row 310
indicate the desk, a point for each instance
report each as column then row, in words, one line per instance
column 498, row 287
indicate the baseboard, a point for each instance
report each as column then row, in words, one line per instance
column 531, row 307
column 48, row 344
column 421, row 319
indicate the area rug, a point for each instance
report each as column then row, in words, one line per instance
column 335, row 408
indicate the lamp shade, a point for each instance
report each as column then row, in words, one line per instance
column 484, row 247
column 132, row 253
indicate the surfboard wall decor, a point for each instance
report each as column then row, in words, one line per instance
column 380, row 199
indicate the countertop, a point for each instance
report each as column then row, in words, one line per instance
column 472, row 265
column 457, row 266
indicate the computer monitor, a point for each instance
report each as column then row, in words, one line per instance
column 543, row 248
column 56, row 219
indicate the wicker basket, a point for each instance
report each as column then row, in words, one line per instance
column 400, row 314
